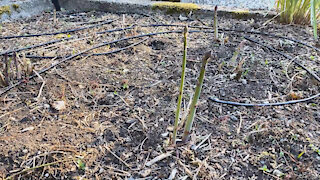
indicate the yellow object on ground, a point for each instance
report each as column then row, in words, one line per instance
column 5, row 9
column 174, row 7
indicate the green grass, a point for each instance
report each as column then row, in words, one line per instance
column 300, row 12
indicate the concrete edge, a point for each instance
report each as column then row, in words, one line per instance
column 145, row 7
column 26, row 9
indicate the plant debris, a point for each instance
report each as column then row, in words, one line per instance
column 119, row 107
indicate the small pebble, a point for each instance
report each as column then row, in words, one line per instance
column 170, row 128
column 128, row 139
column 243, row 81
column 27, row 129
column 165, row 134
column 277, row 173
column 145, row 173
column 46, row 106
column 171, row 164
column 223, row 93
column 111, row 95
column 101, row 170
column 233, row 118
column 25, row 151
column 288, row 123
column 232, row 76
column 46, row 175
column 161, row 119
column 130, row 121
column 237, row 168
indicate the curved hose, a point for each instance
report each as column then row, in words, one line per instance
column 192, row 31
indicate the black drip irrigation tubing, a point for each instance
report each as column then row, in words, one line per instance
column 60, row 32
column 250, row 32
column 74, row 56
column 284, row 55
column 9, row 52
column 193, row 31
column 72, row 30
column 120, row 49
column 85, row 51
column 272, row 104
column 153, row 25
column 34, row 46
column 122, row 39
column 220, row 29
column 94, row 54
column 263, row 104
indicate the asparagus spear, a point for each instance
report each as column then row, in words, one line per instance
column 184, row 62
column 215, row 23
column 192, row 110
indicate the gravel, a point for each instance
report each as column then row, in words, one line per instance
column 247, row 4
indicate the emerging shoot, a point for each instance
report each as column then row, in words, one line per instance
column 238, row 70
column 236, row 53
column 193, row 106
column 54, row 16
column 184, row 62
column 215, row 23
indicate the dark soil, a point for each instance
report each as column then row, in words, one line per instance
column 120, row 108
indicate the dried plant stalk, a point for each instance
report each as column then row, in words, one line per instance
column 6, row 69
column 3, row 80
column 16, row 63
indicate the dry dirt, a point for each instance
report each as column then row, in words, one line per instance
column 120, row 107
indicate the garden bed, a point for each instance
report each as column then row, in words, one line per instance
column 119, row 107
